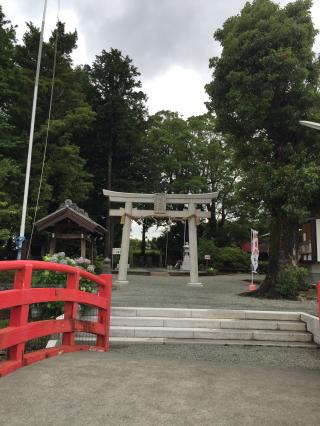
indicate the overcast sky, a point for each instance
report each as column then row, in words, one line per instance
column 170, row 41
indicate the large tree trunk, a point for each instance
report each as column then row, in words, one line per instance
column 213, row 219
column 283, row 253
column 223, row 217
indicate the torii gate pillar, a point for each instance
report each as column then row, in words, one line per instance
column 194, row 274
column 125, row 244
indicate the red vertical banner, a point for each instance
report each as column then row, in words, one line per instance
column 254, row 250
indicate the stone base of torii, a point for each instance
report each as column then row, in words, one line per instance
column 160, row 201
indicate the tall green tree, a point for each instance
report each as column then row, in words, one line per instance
column 213, row 158
column 9, row 167
column 114, row 90
column 190, row 155
column 170, row 155
column 265, row 81
column 65, row 174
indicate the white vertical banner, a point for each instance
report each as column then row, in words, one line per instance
column 254, row 250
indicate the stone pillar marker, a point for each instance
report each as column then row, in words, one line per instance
column 125, row 243
column 194, row 275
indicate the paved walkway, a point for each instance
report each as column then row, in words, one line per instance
column 221, row 291
column 170, row 385
column 185, row 384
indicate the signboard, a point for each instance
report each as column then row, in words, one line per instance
column 116, row 251
column 207, row 257
column 160, row 203
column 254, row 250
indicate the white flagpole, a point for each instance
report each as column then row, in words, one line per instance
column 33, row 116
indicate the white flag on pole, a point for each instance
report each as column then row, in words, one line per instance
column 254, row 250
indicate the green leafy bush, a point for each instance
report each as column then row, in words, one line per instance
column 208, row 247
column 212, row 271
column 291, row 281
column 231, row 259
column 6, row 277
column 98, row 264
column 58, row 279
column 235, row 259
column 4, row 323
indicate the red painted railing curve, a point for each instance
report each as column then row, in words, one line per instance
column 19, row 331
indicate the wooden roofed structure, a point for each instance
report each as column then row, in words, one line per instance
column 70, row 223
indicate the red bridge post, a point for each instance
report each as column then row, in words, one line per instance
column 71, row 308
column 104, row 314
column 19, row 314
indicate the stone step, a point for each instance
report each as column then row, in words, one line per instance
column 207, row 333
column 207, row 323
column 205, row 313
column 161, row 340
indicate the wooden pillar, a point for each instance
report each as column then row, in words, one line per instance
column 91, row 250
column 52, row 245
column 83, row 246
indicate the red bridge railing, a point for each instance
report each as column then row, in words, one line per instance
column 19, row 330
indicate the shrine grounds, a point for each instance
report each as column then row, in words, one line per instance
column 219, row 292
column 172, row 384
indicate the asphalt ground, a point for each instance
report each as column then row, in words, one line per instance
column 142, row 385
column 220, row 291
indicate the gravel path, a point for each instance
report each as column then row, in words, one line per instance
column 148, row 385
column 221, row 291
column 229, row 355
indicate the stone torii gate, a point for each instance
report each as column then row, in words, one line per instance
column 160, row 202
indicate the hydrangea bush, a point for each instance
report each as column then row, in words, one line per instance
column 58, row 279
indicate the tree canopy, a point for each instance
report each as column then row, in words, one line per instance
column 265, row 81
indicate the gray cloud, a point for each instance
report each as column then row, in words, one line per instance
column 156, row 34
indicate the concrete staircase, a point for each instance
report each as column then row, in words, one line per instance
column 218, row 326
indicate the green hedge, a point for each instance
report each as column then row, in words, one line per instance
column 291, row 281
column 231, row 258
